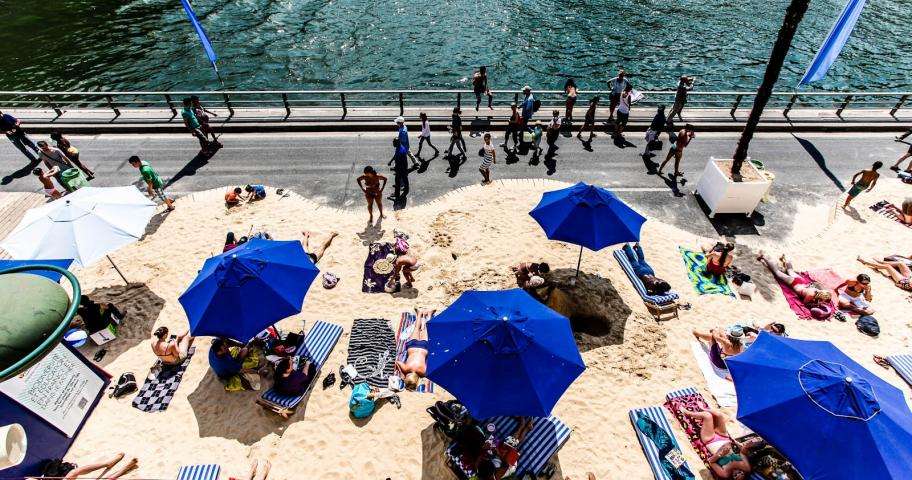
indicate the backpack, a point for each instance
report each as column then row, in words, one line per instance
column 536, row 104
column 868, row 325
column 126, row 385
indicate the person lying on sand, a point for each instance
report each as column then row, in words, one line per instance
column 416, row 350
column 317, row 253
column 904, row 213
column 899, row 272
column 58, row 469
column 726, row 459
column 257, row 473
column 812, row 295
column 856, row 295
column 171, row 351
column 530, row 275
column 722, row 343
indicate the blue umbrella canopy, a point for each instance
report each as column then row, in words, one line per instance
column 587, row 216
column 830, row 416
column 241, row 292
column 503, row 353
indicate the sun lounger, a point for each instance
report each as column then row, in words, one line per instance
column 650, row 449
column 547, row 436
column 316, row 347
column 407, row 324
column 658, row 305
column 199, row 472
column 903, row 366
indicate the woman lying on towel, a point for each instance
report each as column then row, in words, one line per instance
column 416, row 349
column 904, row 213
column 726, row 459
column 722, row 343
column 718, row 258
column 816, row 298
column 899, row 272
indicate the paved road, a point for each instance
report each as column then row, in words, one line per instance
column 810, row 169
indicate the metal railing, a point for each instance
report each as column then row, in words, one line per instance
column 345, row 100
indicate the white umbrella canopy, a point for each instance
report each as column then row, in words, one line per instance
column 85, row 225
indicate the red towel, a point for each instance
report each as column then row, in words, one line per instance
column 795, row 303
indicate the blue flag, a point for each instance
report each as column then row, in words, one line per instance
column 834, row 42
column 202, row 35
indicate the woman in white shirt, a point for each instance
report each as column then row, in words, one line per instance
column 425, row 136
column 488, row 158
column 623, row 111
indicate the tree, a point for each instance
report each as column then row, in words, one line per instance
column 793, row 16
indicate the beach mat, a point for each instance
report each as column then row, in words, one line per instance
column 722, row 389
column 695, row 264
column 377, row 269
column 407, row 324
column 794, row 302
column 882, row 208
column 372, row 351
column 159, row 388
column 690, row 399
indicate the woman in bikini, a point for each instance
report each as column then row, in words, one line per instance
column 856, row 295
column 372, row 184
column 899, row 272
column 171, row 352
column 726, row 459
column 722, row 344
column 317, row 253
column 718, row 259
column 813, row 296
column 416, row 350
column 68, row 471
column 904, row 213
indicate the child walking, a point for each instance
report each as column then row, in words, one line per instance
column 488, row 158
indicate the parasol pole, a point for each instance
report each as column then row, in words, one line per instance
column 118, row 270
column 579, row 262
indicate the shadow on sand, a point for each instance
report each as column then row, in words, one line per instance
column 142, row 307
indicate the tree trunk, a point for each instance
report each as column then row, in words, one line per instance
column 793, row 16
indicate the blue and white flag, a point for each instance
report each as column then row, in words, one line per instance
column 834, row 42
column 202, row 36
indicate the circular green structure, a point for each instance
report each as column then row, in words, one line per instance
column 36, row 312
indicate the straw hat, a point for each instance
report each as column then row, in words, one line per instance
column 13, row 444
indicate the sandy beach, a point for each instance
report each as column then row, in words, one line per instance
column 465, row 240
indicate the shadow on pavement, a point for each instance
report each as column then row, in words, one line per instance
column 199, row 161
column 21, row 173
column 819, row 159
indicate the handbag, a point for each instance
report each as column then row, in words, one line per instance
column 126, row 385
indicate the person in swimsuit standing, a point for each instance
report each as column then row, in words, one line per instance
column 856, row 295
column 480, row 87
column 372, row 184
column 416, row 349
column 677, row 149
column 898, row 271
column 862, row 181
column 726, row 459
column 171, row 351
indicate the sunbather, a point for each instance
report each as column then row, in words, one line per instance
column 59, row 469
column 899, row 272
column 751, row 333
column 813, row 296
column 529, row 274
column 856, row 295
column 416, row 350
column 904, row 213
column 317, row 253
column 637, row 259
column 722, row 343
column 171, row 351
column 718, row 258
column 293, row 376
column 726, row 459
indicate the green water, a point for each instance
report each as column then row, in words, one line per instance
column 311, row 44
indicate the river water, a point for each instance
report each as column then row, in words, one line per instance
column 322, row 44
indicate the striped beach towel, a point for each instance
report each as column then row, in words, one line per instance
column 407, row 324
column 903, row 366
column 199, row 472
column 695, row 263
column 660, row 446
column 372, row 351
column 546, row 437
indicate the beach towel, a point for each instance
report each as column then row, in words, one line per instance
column 882, row 208
column 903, row 366
column 690, row 399
column 695, row 263
column 659, row 444
column 795, row 303
column 161, row 384
column 722, row 389
column 407, row 324
column 372, row 351
column 377, row 269
column 199, row 472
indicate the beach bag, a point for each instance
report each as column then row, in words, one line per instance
column 358, row 404
column 126, row 385
column 868, row 325
column 329, row 280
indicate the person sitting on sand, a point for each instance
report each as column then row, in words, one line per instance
column 230, row 242
column 405, row 263
column 899, row 272
column 722, row 343
column 171, row 351
column 317, row 253
column 255, row 192
column 416, row 350
column 812, row 295
column 293, row 376
column 718, row 259
column 96, row 317
column 726, row 459
column 60, row 470
column 530, row 275
column 904, row 213
column 233, row 196
column 856, row 295
column 225, row 360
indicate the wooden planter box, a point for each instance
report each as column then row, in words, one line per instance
column 723, row 195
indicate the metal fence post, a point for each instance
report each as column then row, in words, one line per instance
column 344, row 106
column 287, row 107
column 516, row 98
column 112, row 106
column 401, row 104
column 171, row 106
column 899, row 104
column 228, row 105
column 788, row 108
column 842, row 107
column 735, row 105
column 54, row 106
column 459, row 100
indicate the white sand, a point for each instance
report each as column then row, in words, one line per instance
column 486, row 229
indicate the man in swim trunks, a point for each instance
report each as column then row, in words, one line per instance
column 866, row 182
column 856, row 296
column 416, row 347
column 171, row 351
column 372, row 184
column 316, row 254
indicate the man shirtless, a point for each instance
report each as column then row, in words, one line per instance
column 862, row 181
column 416, row 349
column 677, row 150
column 317, row 253
column 171, row 351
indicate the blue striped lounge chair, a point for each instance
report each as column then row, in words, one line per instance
column 903, row 366
column 546, row 437
column 317, row 345
column 661, row 307
column 407, row 321
column 199, row 472
column 650, row 450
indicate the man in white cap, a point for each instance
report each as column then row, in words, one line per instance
column 528, row 107
column 404, row 140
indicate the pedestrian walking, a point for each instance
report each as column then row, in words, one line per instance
column 616, row 85
column 71, row 152
column 47, row 185
column 54, row 159
column 623, row 111
column 680, row 142
column 589, row 122
column 552, row 133
column 685, row 84
column 192, row 123
column 863, row 181
column 202, row 115
column 514, row 125
column 488, row 158
column 903, row 136
column 404, row 138
column 12, row 127
column 372, row 184
column 571, row 91
column 529, row 107
column 155, row 187
column 456, row 134
column 425, row 136
column 655, row 129
column 480, row 87
column 400, row 167
column 903, row 158
column 536, row 142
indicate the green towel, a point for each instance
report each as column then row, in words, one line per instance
column 695, row 263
